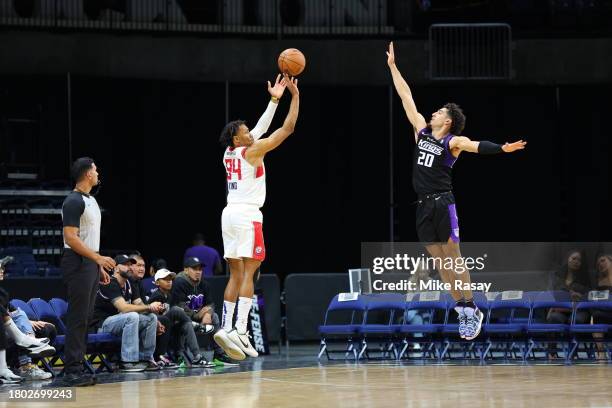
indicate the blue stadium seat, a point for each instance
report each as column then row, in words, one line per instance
column 542, row 334
column 20, row 304
column 391, row 306
column 346, row 328
column 426, row 334
column 506, row 326
column 45, row 312
column 583, row 332
column 98, row 344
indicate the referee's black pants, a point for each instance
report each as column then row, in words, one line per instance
column 81, row 276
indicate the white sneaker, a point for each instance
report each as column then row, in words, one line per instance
column 242, row 341
column 8, row 377
column 231, row 349
column 32, row 372
column 40, row 351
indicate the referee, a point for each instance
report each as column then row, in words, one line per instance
column 82, row 267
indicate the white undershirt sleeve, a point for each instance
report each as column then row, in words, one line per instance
column 264, row 122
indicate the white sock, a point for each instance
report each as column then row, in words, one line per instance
column 244, row 308
column 228, row 315
column 3, row 360
column 20, row 338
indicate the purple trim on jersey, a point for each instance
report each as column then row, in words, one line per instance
column 449, row 159
column 454, row 222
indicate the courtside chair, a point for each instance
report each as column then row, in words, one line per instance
column 382, row 321
column 583, row 333
column 505, row 327
column 427, row 334
column 342, row 320
column 543, row 335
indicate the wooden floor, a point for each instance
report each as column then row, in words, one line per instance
column 364, row 385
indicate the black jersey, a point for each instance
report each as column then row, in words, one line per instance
column 433, row 162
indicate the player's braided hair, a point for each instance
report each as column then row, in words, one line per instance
column 229, row 131
column 455, row 113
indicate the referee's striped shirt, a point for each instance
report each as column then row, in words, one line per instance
column 81, row 210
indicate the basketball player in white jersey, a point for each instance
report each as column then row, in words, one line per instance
column 241, row 221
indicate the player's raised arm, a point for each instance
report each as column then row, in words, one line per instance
column 463, row 144
column 416, row 119
column 276, row 92
column 257, row 150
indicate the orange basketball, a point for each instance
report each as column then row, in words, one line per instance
column 291, row 61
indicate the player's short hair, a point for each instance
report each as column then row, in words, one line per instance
column 229, row 131
column 455, row 113
column 81, row 166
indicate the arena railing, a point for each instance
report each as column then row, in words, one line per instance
column 265, row 17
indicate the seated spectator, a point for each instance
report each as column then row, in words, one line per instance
column 177, row 325
column 119, row 310
column 137, row 273
column 40, row 329
column 9, row 330
column 191, row 293
column 573, row 277
column 27, row 370
column 209, row 256
column 604, row 282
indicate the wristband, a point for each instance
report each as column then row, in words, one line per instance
column 486, row 147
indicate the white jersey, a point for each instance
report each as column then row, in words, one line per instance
column 246, row 184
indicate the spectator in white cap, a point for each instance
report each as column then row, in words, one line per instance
column 178, row 327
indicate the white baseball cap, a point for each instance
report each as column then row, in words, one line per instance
column 162, row 273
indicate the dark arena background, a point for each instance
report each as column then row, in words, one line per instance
column 145, row 87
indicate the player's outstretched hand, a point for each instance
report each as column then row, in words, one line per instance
column 292, row 85
column 391, row 55
column 512, row 147
column 278, row 89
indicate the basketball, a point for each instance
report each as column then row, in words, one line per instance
column 291, row 61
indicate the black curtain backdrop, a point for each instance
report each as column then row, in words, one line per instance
column 156, row 144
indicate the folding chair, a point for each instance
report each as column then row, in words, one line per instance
column 20, row 304
column 506, row 326
column 390, row 306
column 583, row 332
column 342, row 320
column 95, row 341
column 435, row 317
column 541, row 332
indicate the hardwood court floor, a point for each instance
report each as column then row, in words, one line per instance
column 364, row 385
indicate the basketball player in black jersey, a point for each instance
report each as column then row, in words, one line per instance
column 438, row 145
